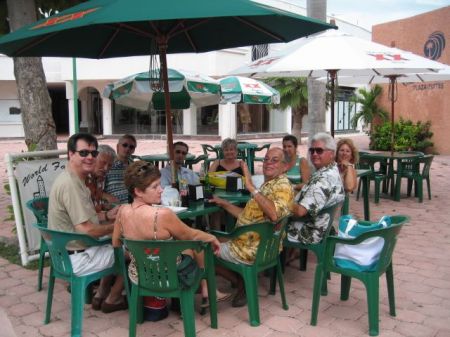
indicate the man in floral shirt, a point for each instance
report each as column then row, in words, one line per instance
column 323, row 190
column 271, row 202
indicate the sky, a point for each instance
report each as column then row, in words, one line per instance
column 366, row 13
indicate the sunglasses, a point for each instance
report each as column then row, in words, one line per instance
column 130, row 146
column 85, row 153
column 181, row 152
column 317, row 150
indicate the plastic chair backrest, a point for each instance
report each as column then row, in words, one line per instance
column 156, row 262
column 56, row 242
column 39, row 207
column 389, row 234
column 270, row 240
column 209, row 149
column 426, row 160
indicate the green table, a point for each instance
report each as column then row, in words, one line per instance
column 162, row 158
column 248, row 149
column 392, row 157
column 198, row 209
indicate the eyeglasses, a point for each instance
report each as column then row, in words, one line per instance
column 273, row 160
column 85, row 153
column 181, row 152
column 130, row 146
column 317, row 150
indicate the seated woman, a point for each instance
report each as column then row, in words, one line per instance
column 296, row 164
column 346, row 158
column 229, row 161
column 142, row 221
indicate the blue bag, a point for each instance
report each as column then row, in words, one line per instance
column 363, row 256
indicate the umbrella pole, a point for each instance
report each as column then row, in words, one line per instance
column 162, row 46
column 332, row 94
column 392, row 82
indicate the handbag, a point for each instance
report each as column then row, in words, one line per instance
column 188, row 271
column 363, row 256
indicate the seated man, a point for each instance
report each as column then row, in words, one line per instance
column 271, row 202
column 323, row 190
column 183, row 174
column 114, row 184
column 71, row 210
column 95, row 181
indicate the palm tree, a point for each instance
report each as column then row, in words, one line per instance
column 294, row 94
column 368, row 107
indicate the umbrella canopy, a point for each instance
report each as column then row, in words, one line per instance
column 441, row 75
column 237, row 89
column 333, row 52
column 115, row 28
column 140, row 90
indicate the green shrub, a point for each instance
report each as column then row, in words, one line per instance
column 409, row 136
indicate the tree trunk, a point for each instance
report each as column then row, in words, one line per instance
column 316, row 90
column 35, row 102
column 297, row 124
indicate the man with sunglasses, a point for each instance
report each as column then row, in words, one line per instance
column 114, row 184
column 184, row 174
column 71, row 210
column 272, row 201
column 323, row 190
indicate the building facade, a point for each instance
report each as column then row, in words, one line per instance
column 427, row 35
column 101, row 116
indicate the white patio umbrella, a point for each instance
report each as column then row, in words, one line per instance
column 334, row 52
column 237, row 89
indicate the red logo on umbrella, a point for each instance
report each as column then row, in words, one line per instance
column 64, row 18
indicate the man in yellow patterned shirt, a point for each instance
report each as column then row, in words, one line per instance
column 271, row 202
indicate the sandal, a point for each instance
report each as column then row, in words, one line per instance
column 97, row 303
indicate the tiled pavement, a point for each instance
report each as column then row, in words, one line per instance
column 421, row 269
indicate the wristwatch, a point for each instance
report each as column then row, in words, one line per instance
column 351, row 165
column 255, row 192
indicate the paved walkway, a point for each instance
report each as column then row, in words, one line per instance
column 421, row 268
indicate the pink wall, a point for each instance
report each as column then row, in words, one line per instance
column 421, row 101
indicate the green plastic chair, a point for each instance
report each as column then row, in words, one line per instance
column 201, row 158
column 39, row 207
column 156, row 264
column 267, row 258
column 378, row 176
column 261, row 148
column 369, row 279
column 61, row 267
column 417, row 176
column 316, row 248
column 207, row 151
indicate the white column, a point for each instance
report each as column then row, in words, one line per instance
column 107, row 116
column 84, row 121
column 190, row 120
column 227, row 121
column 280, row 120
column 69, row 96
column 71, row 117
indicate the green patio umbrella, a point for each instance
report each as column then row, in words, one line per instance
column 142, row 89
column 115, row 28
